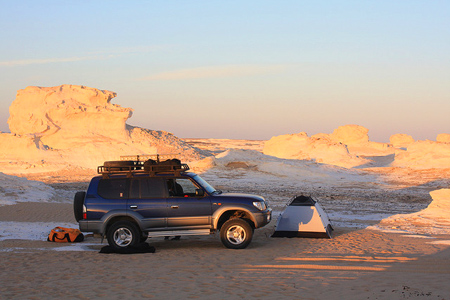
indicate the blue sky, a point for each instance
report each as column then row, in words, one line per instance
column 241, row 69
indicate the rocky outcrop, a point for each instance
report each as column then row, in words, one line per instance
column 350, row 134
column 356, row 138
column 424, row 155
column 401, row 140
column 345, row 147
column 79, row 126
column 61, row 116
column 319, row 148
column 443, row 138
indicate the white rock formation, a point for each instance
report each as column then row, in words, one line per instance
column 258, row 167
column 345, row 147
column 79, row 126
column 350, row 135
column 356, row 138
column 320, row 148
column 443, row 138
column 434, row 219
column 401, row 140
column 424, row 155
column 62, row 116
column 349, row 146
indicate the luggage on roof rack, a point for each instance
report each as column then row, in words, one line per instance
column 149, row 166
column 122, row 165
column 145, row 157
column 170, row 165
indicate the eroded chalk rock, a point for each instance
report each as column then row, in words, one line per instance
column 401, row 140
column 79, row 126
column 443, row 138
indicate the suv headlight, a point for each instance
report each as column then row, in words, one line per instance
column 261, row 205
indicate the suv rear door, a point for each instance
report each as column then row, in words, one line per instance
column 106, row 195
column 148, row 200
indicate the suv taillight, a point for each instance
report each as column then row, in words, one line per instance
column 84, row 212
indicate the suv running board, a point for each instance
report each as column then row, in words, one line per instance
column 179, row 232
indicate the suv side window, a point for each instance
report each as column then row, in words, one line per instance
column 115, row 188
column 181, row 187
column 143, row 188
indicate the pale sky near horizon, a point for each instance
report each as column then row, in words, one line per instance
column 241, row 69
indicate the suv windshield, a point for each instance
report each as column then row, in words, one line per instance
column 204, row 184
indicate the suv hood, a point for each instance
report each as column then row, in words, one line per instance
column 240, row 195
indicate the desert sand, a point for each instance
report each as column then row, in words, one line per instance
column 389, row 204
column 367, row 258
column 354, row 264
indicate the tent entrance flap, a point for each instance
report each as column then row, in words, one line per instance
column 303, row 217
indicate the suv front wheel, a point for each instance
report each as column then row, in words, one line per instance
column 236, row 234
column 123, row 234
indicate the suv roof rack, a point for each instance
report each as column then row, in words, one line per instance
column 149, row 166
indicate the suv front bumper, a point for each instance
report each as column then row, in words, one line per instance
column 263, row 218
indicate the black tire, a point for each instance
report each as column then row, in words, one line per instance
column 236, row 234
column 78, row 202
column 123, row 234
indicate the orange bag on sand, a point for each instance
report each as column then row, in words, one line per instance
column 65, row 235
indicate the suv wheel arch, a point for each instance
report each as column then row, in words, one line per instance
column 234, row 214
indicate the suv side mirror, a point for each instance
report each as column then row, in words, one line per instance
column 199, row 193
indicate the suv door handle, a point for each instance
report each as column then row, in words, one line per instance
column 133, row 206
column 174, row 206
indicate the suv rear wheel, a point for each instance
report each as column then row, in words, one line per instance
column 236, row 234
column 123, row 234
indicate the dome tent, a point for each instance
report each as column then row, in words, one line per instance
column 303, row 217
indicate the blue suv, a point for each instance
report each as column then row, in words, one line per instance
column 133, row 200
